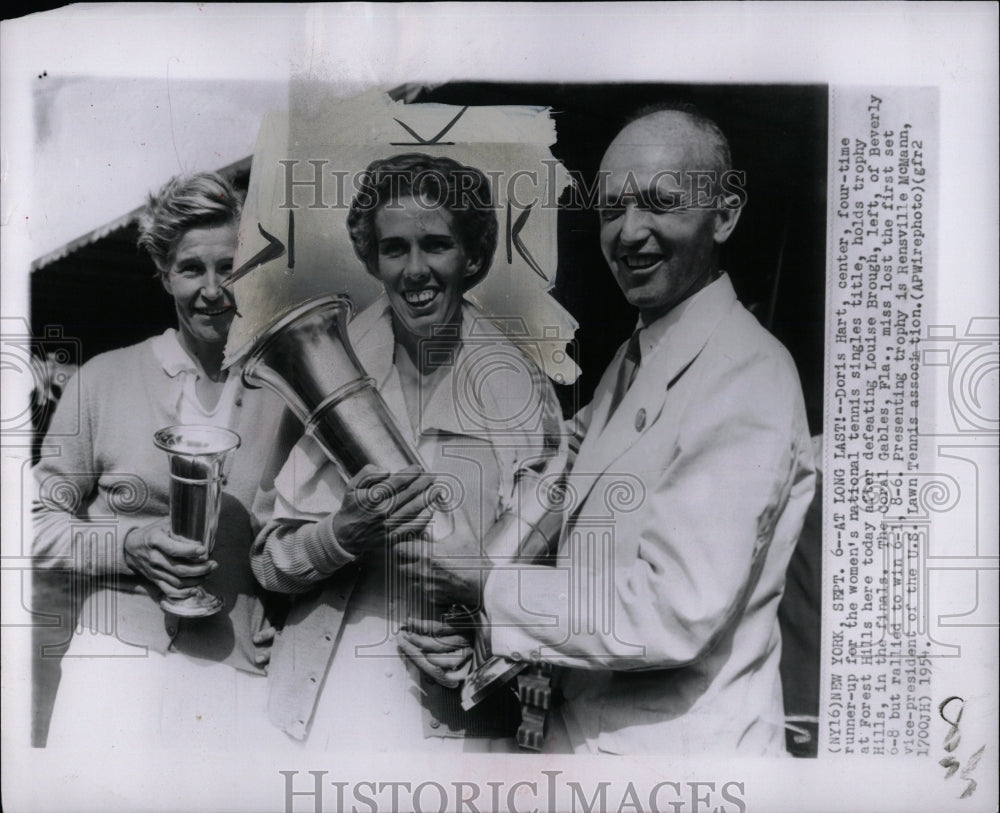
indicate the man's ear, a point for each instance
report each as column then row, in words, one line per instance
column 165, row 281
column 726, row 217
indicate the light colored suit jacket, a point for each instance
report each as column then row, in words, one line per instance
column 684, row 508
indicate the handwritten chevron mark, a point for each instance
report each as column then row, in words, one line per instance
column 272, row 251
column 514, row 237
column 420, row 140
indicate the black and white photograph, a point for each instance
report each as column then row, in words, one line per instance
column 480, row 407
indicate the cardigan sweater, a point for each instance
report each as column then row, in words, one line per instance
column 100, row 477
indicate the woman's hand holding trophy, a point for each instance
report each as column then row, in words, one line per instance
column 176, row 566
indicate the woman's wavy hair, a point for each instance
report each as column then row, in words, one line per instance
column 185, row 202
column 464, row 191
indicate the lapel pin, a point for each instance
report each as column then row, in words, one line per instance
column 640, row 420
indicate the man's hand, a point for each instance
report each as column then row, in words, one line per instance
column 442, row 651
column 377, row 503
column 449, row 571
column 176, row 566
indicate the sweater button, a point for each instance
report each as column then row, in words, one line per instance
column 640, row 420
column 435, row 724
column 239, row 400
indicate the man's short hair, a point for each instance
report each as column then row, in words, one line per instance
column 717, row 142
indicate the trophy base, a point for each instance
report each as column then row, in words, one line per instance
column 199, row 606
column 488, row 677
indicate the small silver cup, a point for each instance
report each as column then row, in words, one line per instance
column 196, row 455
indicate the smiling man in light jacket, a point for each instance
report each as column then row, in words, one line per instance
column 687, row 494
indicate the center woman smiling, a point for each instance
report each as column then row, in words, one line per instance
column 426, row 229
column 422, row 266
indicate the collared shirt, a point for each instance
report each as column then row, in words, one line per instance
column 182, row 370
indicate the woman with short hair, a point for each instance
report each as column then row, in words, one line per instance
column 103, row 506
column 479, row 413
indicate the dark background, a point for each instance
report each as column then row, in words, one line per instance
column 105, row 294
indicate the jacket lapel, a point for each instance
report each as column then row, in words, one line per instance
column 373, row 342
column 685, row 334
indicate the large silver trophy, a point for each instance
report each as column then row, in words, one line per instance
column 307, row 358
column 197, row 457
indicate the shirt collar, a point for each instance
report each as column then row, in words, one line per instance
column 374, row 343
column 172, row 357
column 701, row 310
column 372, row 339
